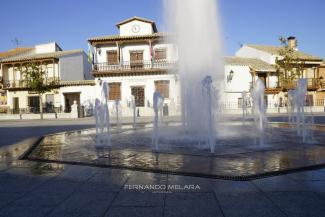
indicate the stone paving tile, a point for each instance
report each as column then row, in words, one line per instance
column 19, row 184
column 59, row 186
column 42, row 199
column 227, row 186
column 194, row 204
column 299, row 204
column 77, row 173
column 6, row 198
column 84, row 205
column 144, row 178
column 192, row 184
column 248, row 204
column 135, row 212
column 279, row 183
column 105, row 182
column 313, row 175
column 136, row 198
column 24, row 211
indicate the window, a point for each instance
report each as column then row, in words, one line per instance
column 49, row 99
column 114, row 91
column 160, row 54
column 136, row 58
column 240, row 102
column 138, row 93
column 163, row 88
column 112, row 57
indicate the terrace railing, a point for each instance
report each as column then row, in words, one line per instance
column 134, row 65
column 24, row 83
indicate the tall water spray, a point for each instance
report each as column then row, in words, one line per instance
column 197, row 36
column 259, row 108
column 103, row 134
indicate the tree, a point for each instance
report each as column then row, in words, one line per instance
column 35, row 79
column 288, row 65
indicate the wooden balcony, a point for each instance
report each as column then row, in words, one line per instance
column 23, row 84
column 312, row 84
column 134, row 66
column 288, row 84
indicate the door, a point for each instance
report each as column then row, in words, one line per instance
column 69, row 98
column 136, row 59
column 33, row 104
column 15, row 102
column 138, row 93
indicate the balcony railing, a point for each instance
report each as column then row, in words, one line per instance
column 287, row 84
column 312, row 83
column 134, row 65
column 24, row 83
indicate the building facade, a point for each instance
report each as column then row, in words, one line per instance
column 63, row 70
column 135, row 63
column 276, row 89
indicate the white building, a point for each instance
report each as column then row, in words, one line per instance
column 68, row 72
column 240, row 75
column 136, row 62
column 276, row 88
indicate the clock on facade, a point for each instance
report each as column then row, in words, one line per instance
column 135, row 28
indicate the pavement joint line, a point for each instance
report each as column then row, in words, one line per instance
column 27, row 192
column 268, row 198
column 218, row 203
column 68, row 196
column 165, row 196
column 115, row 196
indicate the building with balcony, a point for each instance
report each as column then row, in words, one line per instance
column 136, row 62
column 63, row 71
column 276, row 88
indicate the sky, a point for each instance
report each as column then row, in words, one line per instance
column 71, row 22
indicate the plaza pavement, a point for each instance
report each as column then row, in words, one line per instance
column 41, row 189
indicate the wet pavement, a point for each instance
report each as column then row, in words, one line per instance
column 29, row 188
column 236, row 158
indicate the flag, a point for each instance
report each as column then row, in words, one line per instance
column 90, row 54
column 152, row 57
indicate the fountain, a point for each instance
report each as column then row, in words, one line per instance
column 260, row 119
column 118, row 113
column 244, row 106
column 134, row 109
column 157, row 102
column 206, row 142
column 103, row 135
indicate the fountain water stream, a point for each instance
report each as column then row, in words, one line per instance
column 103, row 135
column 197, row 36
column 259, row 108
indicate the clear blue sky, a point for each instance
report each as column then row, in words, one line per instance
column 72, row 22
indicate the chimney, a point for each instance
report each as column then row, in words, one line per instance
column 293, row 43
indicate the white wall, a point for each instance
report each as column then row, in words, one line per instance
column 149, row 87
column 87, row 95
column 126, row 48
column 145, row 28
column 241, row 78
column 46, row 48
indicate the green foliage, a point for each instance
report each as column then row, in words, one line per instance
column 35, row 78
column 288, row 65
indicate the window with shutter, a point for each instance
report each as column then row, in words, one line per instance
column 160, row 54
column 112, row 57
column 163, row 88
column 114, row 91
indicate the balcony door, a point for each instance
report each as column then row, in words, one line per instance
column 138, row 93
column 136, row 59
